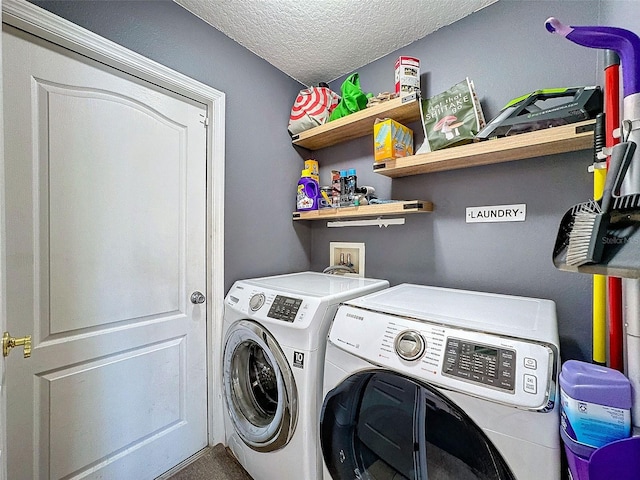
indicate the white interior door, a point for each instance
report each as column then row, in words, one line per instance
column 3, row 396
column 105, row 242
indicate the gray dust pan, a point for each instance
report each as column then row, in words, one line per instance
column 603, row 237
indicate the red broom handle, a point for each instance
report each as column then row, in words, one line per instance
column 612, row 103
column 612, row 122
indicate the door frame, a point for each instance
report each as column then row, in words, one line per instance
column 44, row 24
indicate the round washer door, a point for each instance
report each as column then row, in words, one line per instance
column 259, row 388
column 378, row 424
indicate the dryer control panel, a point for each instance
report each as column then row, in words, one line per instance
column 512, row 371
column 486, row 364
column 270, row 306
column 284, row 308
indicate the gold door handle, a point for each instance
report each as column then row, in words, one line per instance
column 8, row 342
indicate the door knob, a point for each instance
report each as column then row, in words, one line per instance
column 197, row 297
column 8, row 342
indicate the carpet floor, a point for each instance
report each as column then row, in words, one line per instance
column 215, row 464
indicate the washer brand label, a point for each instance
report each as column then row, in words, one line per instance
column 298, row 359
column 357, row 317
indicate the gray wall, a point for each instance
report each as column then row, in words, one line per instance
column 261, row 166
column 504, row 48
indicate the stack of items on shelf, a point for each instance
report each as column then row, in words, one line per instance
column 343, row 191
column 346, row 192
column 315, row 106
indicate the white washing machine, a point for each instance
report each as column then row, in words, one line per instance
column 275, row 331
column 440, row 384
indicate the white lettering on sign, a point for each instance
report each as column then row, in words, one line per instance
column 497, row 213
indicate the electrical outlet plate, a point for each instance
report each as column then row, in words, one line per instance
column 354, row 250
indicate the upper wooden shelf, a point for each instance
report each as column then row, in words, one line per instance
column 550, row 141
column 359, row 124
column 395, row 208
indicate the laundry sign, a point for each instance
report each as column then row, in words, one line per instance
column 497, row 213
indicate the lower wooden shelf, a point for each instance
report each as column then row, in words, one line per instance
column 394, row 208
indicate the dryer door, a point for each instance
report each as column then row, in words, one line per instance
column 259, row 388
column 384, row 426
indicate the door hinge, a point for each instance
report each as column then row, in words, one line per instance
column 205, row 120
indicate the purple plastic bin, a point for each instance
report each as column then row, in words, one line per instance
column 578, row 465
column 595, row 406
column 599, row 386
column 618, row 460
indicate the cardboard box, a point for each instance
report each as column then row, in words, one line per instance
column 391, row 140
column 407, row 75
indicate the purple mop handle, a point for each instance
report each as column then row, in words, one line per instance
column 625, row 43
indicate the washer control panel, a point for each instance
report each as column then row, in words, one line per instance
column 512, row 371
column 485, row 364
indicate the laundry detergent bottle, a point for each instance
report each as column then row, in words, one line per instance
column 308, row 195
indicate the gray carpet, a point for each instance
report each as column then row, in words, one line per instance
column 215, row 464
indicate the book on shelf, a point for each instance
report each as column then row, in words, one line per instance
column 451, row 118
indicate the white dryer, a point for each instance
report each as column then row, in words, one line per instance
column 441, row 384
column 275, row 331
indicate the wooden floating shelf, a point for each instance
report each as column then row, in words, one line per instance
column 359, row 124
column 394, row 208
column 550, row 141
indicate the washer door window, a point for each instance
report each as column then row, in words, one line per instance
column 259, row 387
column 383, row 426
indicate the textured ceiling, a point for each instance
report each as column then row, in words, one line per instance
column 320, row 40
